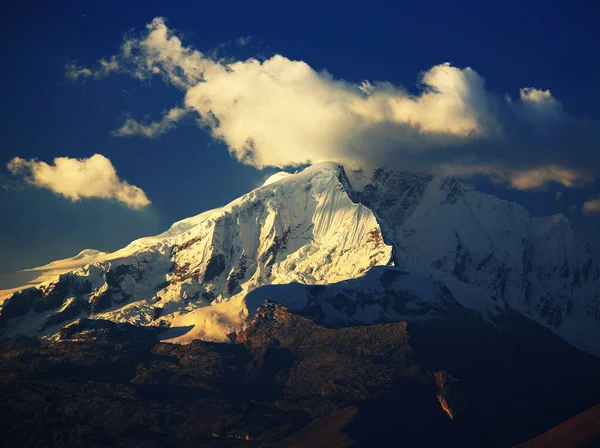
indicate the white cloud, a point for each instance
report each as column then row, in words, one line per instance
column 280, row 112
column 154, row 129
column 94, row 177
column 74, row 71
column 591, row 207
column 538, row 97
column 537, row 106
column 160, row 52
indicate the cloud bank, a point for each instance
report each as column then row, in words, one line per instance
column 280, row 112
column 94, row 177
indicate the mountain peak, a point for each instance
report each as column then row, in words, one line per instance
column 322, row 241
column 276, row 177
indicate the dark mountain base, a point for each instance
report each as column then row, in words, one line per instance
column 581, row 431
column 288, row 382
column 323, row 432
column 508, row 385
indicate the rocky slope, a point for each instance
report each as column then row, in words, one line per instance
column 458, row 382
column 321, row 232
column 106, row 386
column 581, row 431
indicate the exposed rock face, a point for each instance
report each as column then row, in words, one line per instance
column 18, row 305
column 276, row 337
column 18, row 343
column 444, row 383
column 93, row 329
column 69, row 311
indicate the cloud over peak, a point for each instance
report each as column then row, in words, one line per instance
column 93, row 177
column 280, row 112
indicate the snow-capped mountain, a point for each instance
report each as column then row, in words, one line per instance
column 343, row 247
column 536, row 266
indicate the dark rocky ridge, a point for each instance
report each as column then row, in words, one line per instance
column 107, row 384
column 580, row 431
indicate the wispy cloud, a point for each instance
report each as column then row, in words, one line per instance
column 519, row 178
column 153, row 129
column 591, row 207
column 94, row 177
column 538, row 177
column 74, row 71
column 280, row 112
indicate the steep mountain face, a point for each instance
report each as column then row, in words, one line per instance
column 325, row 243
column 302, row 228
column 536, row 266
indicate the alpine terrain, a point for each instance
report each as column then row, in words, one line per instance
column 386, row 299
column 437, row 245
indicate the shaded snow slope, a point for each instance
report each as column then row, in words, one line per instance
column 382, row 294
column 536, row 266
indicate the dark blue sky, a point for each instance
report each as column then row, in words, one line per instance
column 511, row 44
